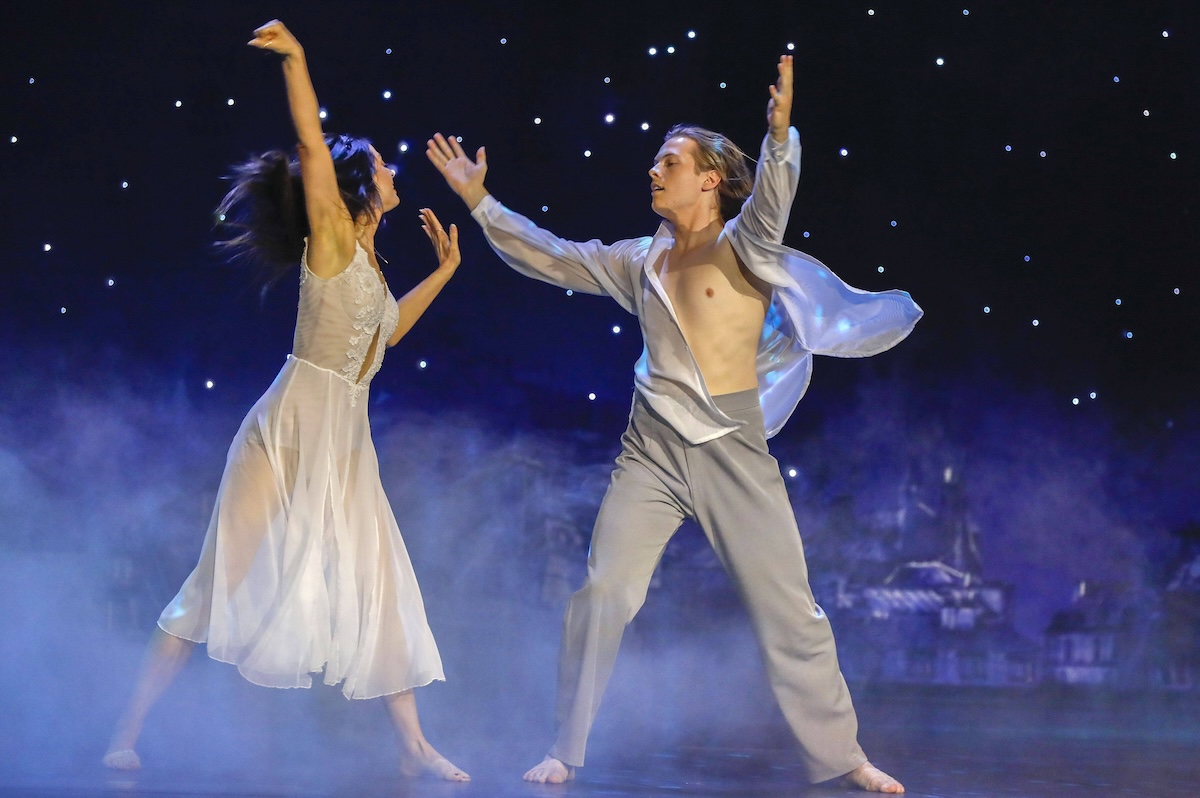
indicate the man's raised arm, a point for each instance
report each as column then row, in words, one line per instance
column 765, row 213
column 590, row 266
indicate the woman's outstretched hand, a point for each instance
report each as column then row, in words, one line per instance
column 444, row 246
column 462, row 174
column 275, row 36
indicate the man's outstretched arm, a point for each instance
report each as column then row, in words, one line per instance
column 765, row 213
column 589, row 266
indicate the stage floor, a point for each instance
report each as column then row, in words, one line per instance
column 985, row 762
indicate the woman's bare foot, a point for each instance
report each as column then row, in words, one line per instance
column 425, row 761
column 550, row 771
column 870, row 778
column 122, row 759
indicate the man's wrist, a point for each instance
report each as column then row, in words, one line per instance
column 473, row 196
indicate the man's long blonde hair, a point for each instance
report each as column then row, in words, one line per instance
column 718, row 153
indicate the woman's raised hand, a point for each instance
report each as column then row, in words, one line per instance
column 444, row 246
column 275, row 36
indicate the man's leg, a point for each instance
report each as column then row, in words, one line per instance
column 639, row 514
column 743, row 507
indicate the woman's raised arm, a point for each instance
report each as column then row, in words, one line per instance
column 331, row 230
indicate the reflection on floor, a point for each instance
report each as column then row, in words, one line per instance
column 1021, row 745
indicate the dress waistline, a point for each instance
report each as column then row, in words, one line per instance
column 356, row 388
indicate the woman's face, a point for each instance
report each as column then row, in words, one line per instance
column 385, row 182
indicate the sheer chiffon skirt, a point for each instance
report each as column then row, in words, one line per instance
column 303, row 567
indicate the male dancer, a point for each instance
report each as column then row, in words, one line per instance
column 730, row 320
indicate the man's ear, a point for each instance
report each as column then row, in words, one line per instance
column 712, row 179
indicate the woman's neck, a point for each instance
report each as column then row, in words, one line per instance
column 365, row 234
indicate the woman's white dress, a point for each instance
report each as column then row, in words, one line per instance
column 303, row 567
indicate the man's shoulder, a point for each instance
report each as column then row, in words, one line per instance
column 635, row 248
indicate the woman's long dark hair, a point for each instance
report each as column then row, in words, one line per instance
column 264, row 210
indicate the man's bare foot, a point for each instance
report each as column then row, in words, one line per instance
column 122, row 759
column 550, row 771
column 870, row 778
column 427, row 762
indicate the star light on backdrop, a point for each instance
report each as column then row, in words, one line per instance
column 952, row 154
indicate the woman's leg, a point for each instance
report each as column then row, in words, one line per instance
column 165, row 655
column 417, row 756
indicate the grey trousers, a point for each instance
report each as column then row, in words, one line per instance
column 733, row 488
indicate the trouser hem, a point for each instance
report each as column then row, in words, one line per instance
column 566, row 759
column 818, row 776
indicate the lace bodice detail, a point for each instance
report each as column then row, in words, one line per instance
column 338, row 319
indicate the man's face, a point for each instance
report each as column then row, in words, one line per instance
column 675, row 185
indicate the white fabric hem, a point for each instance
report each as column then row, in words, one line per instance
column 308, row 686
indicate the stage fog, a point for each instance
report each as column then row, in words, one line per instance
column 956, row 536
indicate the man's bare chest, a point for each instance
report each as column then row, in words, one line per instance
column 683, row 273
column 707, row 282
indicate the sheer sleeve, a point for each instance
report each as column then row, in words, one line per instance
column 589, row 266
column 765, row 212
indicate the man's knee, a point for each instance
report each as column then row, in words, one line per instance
column 610, row 599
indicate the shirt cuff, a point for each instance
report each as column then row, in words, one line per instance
column 485, row 210
column 779, row 151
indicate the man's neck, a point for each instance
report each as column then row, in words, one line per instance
column 695, row 232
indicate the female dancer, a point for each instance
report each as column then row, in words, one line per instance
column 303, row 567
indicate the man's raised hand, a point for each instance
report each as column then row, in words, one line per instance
column 779, row 107
column 462, row 174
